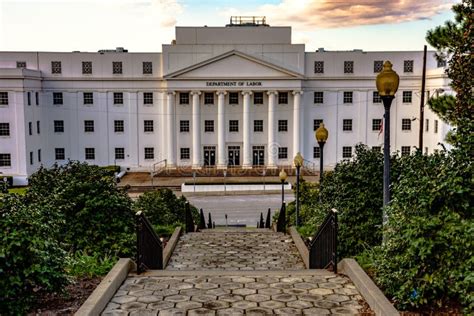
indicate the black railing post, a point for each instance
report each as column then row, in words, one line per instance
column 268, row 221
column 139, row 242
column 149, row 246
column 335, row 240
column 323, row 246
column 281, row 224
column 209, row 223
column 202, row 220
column 189, row 219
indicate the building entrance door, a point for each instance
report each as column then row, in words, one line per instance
column 234, row 155
column 258, row 155
column 209, row 155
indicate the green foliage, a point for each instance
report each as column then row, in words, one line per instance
column 81, row 264
column 166, row 230
column 427, row 258
column 163, row 207
column 97, row 214
column 31, row 260
column 112, row 169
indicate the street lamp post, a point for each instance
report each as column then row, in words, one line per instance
column 283, row 177
column 321, row 136
column 298, row 161
column 387, row 85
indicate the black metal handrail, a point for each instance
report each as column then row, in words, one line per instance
column 281, row 222
column 149, row 246
column 323, row 246
column 268, row 219
column 189, row 221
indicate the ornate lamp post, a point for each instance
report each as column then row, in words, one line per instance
column 283, row 177
column 321, row 136
column 298, row 161
column 387, row 84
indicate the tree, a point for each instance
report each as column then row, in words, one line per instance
column 453, row 41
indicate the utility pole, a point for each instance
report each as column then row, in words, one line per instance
column 422, row 102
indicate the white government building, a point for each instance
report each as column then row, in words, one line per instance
column 240, row 95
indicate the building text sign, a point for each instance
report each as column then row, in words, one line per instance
column 233, row 83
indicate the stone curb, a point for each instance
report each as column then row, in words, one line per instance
column 300, row 245
column 367, row 288
column 101, row 296
column 168, row 251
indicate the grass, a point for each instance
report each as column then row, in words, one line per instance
column 21, row 190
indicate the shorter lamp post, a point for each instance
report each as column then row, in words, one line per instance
column 321, row 136
column 283, row 177
column 298, row 161
column 387, row 85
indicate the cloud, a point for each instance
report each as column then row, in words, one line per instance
column 347, row 13
column 162, row 12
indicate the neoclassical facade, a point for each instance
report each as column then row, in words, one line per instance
column 240, row 96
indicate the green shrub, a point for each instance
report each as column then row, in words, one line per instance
column 81, row 264
column 427, row 257
column 166, row 230
column 31, row 260
column 112, row 169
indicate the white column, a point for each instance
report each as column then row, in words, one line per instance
column 196, row 130
column 221, row 161
column 272, row 147
column 247, row 161
column 296, row 122
column 171, row 163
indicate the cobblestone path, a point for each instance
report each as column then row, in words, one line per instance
column 236, row 249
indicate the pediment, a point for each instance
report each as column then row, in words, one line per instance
column 235, row 65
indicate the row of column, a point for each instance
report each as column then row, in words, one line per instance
column 272, row 145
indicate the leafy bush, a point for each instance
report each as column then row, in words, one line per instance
column 31, row 260
column 81, row 264
column 163, row 207
column 427, row 257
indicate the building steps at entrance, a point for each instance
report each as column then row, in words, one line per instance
column 231, row 172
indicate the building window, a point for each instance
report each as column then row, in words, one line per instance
column 406, row 150
column 56, row 67
column 37, row 98
column 30, row 128
column 119, row 126
column 3, row 98
column 87, row 68
column 319, row 67
column 88, row 126
column 376, row 97
column 117, row 67
column 59, row 154
column 119, row 153
column 147, row 68
column 427, row 125
column 21, row 64
column 4, row 129
column 184, row 126
column 258, row 98
column 406, row 124
column 184, row 153
column 39, row 155
column 407, row 96
column 346, row 152
column 436, row 126
column 209, row 126
column 38, row 127
column 318, row 97
column 378, row 66
column 347, row 98
column 441, row 63
column 408, row 66
column 59, row 126
column 118, row 97
column 149, row 153
column 316, row 152
column 258, row 125
column 90, row 153
column 88, row 98
column 283, row 125
column 31, row 158
column 5, row 160
column 348, row 67
column 28, row 96
column 208, row 98
column 283, row 153
column 233, row 126
column 57, row 98
column 377, row 148
column 376, row 125
column 317, row 123
column 184, row 98
column 148, row 126
column 282, row 97
column 147, row 97
column 347, row 125
column 233, row 98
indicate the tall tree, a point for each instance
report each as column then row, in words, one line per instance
column 454, row 42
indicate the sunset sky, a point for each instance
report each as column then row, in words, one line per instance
column 143, row 25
